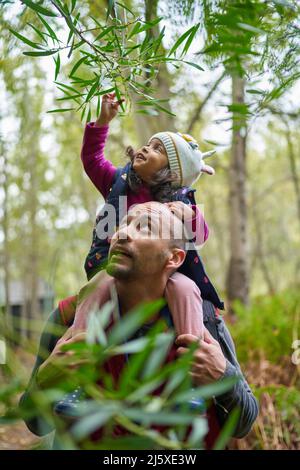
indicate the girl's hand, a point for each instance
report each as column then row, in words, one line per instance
column 109, row 109
column 181, row 210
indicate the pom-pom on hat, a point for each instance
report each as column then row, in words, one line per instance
column 184, row 156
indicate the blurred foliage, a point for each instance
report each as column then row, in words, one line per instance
column 163, row 420
column 268, row 327
column 265, row 337
column 266, row 49
column 279, row 424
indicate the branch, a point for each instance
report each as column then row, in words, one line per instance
column 80, row 35
column 203, row 103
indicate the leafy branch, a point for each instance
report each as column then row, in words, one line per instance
column 115, row 54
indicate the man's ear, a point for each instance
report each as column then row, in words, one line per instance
column 176, row 259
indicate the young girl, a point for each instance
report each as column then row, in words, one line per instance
column 162, row 170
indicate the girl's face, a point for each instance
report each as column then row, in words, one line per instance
column 149, row 159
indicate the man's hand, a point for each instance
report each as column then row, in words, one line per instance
column 209, row 363
column 181, row 210
column 109, row 109
column 53, row 368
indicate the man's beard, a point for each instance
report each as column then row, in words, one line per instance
column 121, row 273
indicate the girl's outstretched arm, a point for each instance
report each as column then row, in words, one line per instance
column 99, row 170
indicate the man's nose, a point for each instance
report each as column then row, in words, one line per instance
column 124, row 233
column 145, row 149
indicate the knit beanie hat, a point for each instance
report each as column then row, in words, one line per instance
column 184, row 156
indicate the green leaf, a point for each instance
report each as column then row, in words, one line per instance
column 134, row 30
column 215, row 143
column 158, row 355
column 134, row 320
column 109, row 8
column 190, row 39
column 97, row 322
column 60, row 110
column 68, row 87
column 104, row 33
column 77, row 65
column 98, row 106
column 38, row 8
column 89, row 114
column 158, row 41
column 70, row 37
column 207, row 391
column 118, row 96
column 255, row 92
column 151, row 102
column 92, row 90
column 193, row 65
column 72, row 26
column 252, row 29
column 82, row 113
column 174, row 382
column 103, row 92
column 199, row 431
column 228, row 430
column 25, row 40
column 41, row 53
column 93, row 421
column 125, row 8
column 149, row 112
column 79, row 44
column 57, row 66
column 132, row 347
column 163, row 418
column 164, row 110
column 39, row 33
column 183, row 38
column 73, row 5
column 48, row 27
column 146, row 389
column 70, row 97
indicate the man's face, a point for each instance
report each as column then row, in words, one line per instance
column 141, row 245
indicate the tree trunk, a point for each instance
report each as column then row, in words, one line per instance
column 238, row 275
column 34, row 311
column 5, row 221
column 293, row 167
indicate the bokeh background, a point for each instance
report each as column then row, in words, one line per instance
column 252, row 204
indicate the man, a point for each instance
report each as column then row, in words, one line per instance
column 139, row 257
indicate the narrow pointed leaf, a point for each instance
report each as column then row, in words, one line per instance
column 25, row 40
column 40, row 53
column 38, row 8
column 48, row 27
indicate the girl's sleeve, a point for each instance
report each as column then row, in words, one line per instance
column 99, row 170
column 198, row 227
